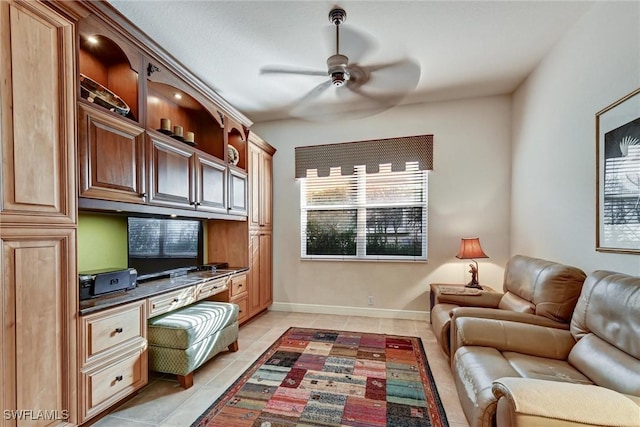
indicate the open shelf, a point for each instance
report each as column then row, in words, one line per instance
column 186, row 112
column 237, row 141
column 103, row 61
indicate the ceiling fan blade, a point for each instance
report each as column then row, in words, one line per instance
column 354, row 44
column 313, row 94
column 291, row 70
column 395, row 78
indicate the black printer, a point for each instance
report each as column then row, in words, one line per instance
column 99, row 282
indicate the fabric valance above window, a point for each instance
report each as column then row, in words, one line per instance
column 371, row 153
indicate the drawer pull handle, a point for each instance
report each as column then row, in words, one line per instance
column 119, row 378
column 119, row 330
column 176, row 300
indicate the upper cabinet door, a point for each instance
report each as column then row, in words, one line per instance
column 37, row 82
column 261, row 175
column 238, row 192
column 211, row 184
column 111, row 157
column 254, row 175
column 170, row 173
column 266, row 192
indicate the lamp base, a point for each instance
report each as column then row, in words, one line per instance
column 473, row 285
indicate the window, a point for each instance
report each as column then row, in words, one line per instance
column 379, row 216
column 166, row 238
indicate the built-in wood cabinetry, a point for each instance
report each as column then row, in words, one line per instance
column 250, row 243
column 163, row 168
column 113, row 354
column 111, row 156
column 260, row 224
column 261, row 171
column 38, row 285
column 122, row 162
column 182, row 177
column 38, row 115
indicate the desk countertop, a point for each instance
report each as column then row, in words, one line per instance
column 153, row 288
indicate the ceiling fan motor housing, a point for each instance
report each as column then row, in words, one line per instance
column 338, row 70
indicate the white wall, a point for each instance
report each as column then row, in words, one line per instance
column 553, row 191
column 468, row 196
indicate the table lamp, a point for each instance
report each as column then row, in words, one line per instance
column 470, row 249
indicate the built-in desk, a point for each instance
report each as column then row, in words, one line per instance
column 113, row 331
column 159, row 287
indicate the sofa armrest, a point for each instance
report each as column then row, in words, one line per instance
column 479, row 299
column 504, row 335
column 513, row 316
column 527, row 402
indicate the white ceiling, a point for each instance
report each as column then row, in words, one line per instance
column 463, row 48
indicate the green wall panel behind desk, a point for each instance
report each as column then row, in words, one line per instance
column 102, row 241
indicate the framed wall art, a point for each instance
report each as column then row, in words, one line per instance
column 618, row 176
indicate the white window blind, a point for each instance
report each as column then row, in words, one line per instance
column 169, row 238
column 380, row 216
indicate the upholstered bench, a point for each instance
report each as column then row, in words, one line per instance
column 182, row 340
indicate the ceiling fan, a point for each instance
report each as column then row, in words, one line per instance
column 363, row 90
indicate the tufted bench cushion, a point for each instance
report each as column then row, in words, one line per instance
column 182, row 340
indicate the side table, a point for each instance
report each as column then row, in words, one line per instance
column 457, row 289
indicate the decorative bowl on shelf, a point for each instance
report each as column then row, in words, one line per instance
column 94, row 92
column 234, row 156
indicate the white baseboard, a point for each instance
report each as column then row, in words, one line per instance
column 351, row 311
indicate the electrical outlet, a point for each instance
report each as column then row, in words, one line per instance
column 370, row 299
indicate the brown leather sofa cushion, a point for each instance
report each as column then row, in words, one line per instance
column 552, row 289
column 608, row 307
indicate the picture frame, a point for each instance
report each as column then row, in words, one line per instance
column 618, row 176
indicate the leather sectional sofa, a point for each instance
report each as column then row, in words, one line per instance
column 510, row 373
column 536, row 291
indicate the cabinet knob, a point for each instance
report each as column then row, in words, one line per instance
column 119, row 330
column 176, row 299
column 143, row 195
column 119, row 378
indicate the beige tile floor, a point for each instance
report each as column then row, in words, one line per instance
column 163, row 403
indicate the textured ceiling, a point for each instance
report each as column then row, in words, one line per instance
column 462, row 48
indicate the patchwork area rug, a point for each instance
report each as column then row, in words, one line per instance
column 312, row 377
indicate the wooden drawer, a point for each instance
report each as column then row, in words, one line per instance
column 171, row 300
column 211, row 287
column 238, row 285
column 107, row 329
column 110, row 382
column 243, row 314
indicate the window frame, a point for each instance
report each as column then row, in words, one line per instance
column 361, row 206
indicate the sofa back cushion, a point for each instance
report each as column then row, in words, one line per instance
column 543, row 287
column 605, row 323
column 609, row 307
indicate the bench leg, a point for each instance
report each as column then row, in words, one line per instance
column 186, row 381
column 233, row 346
